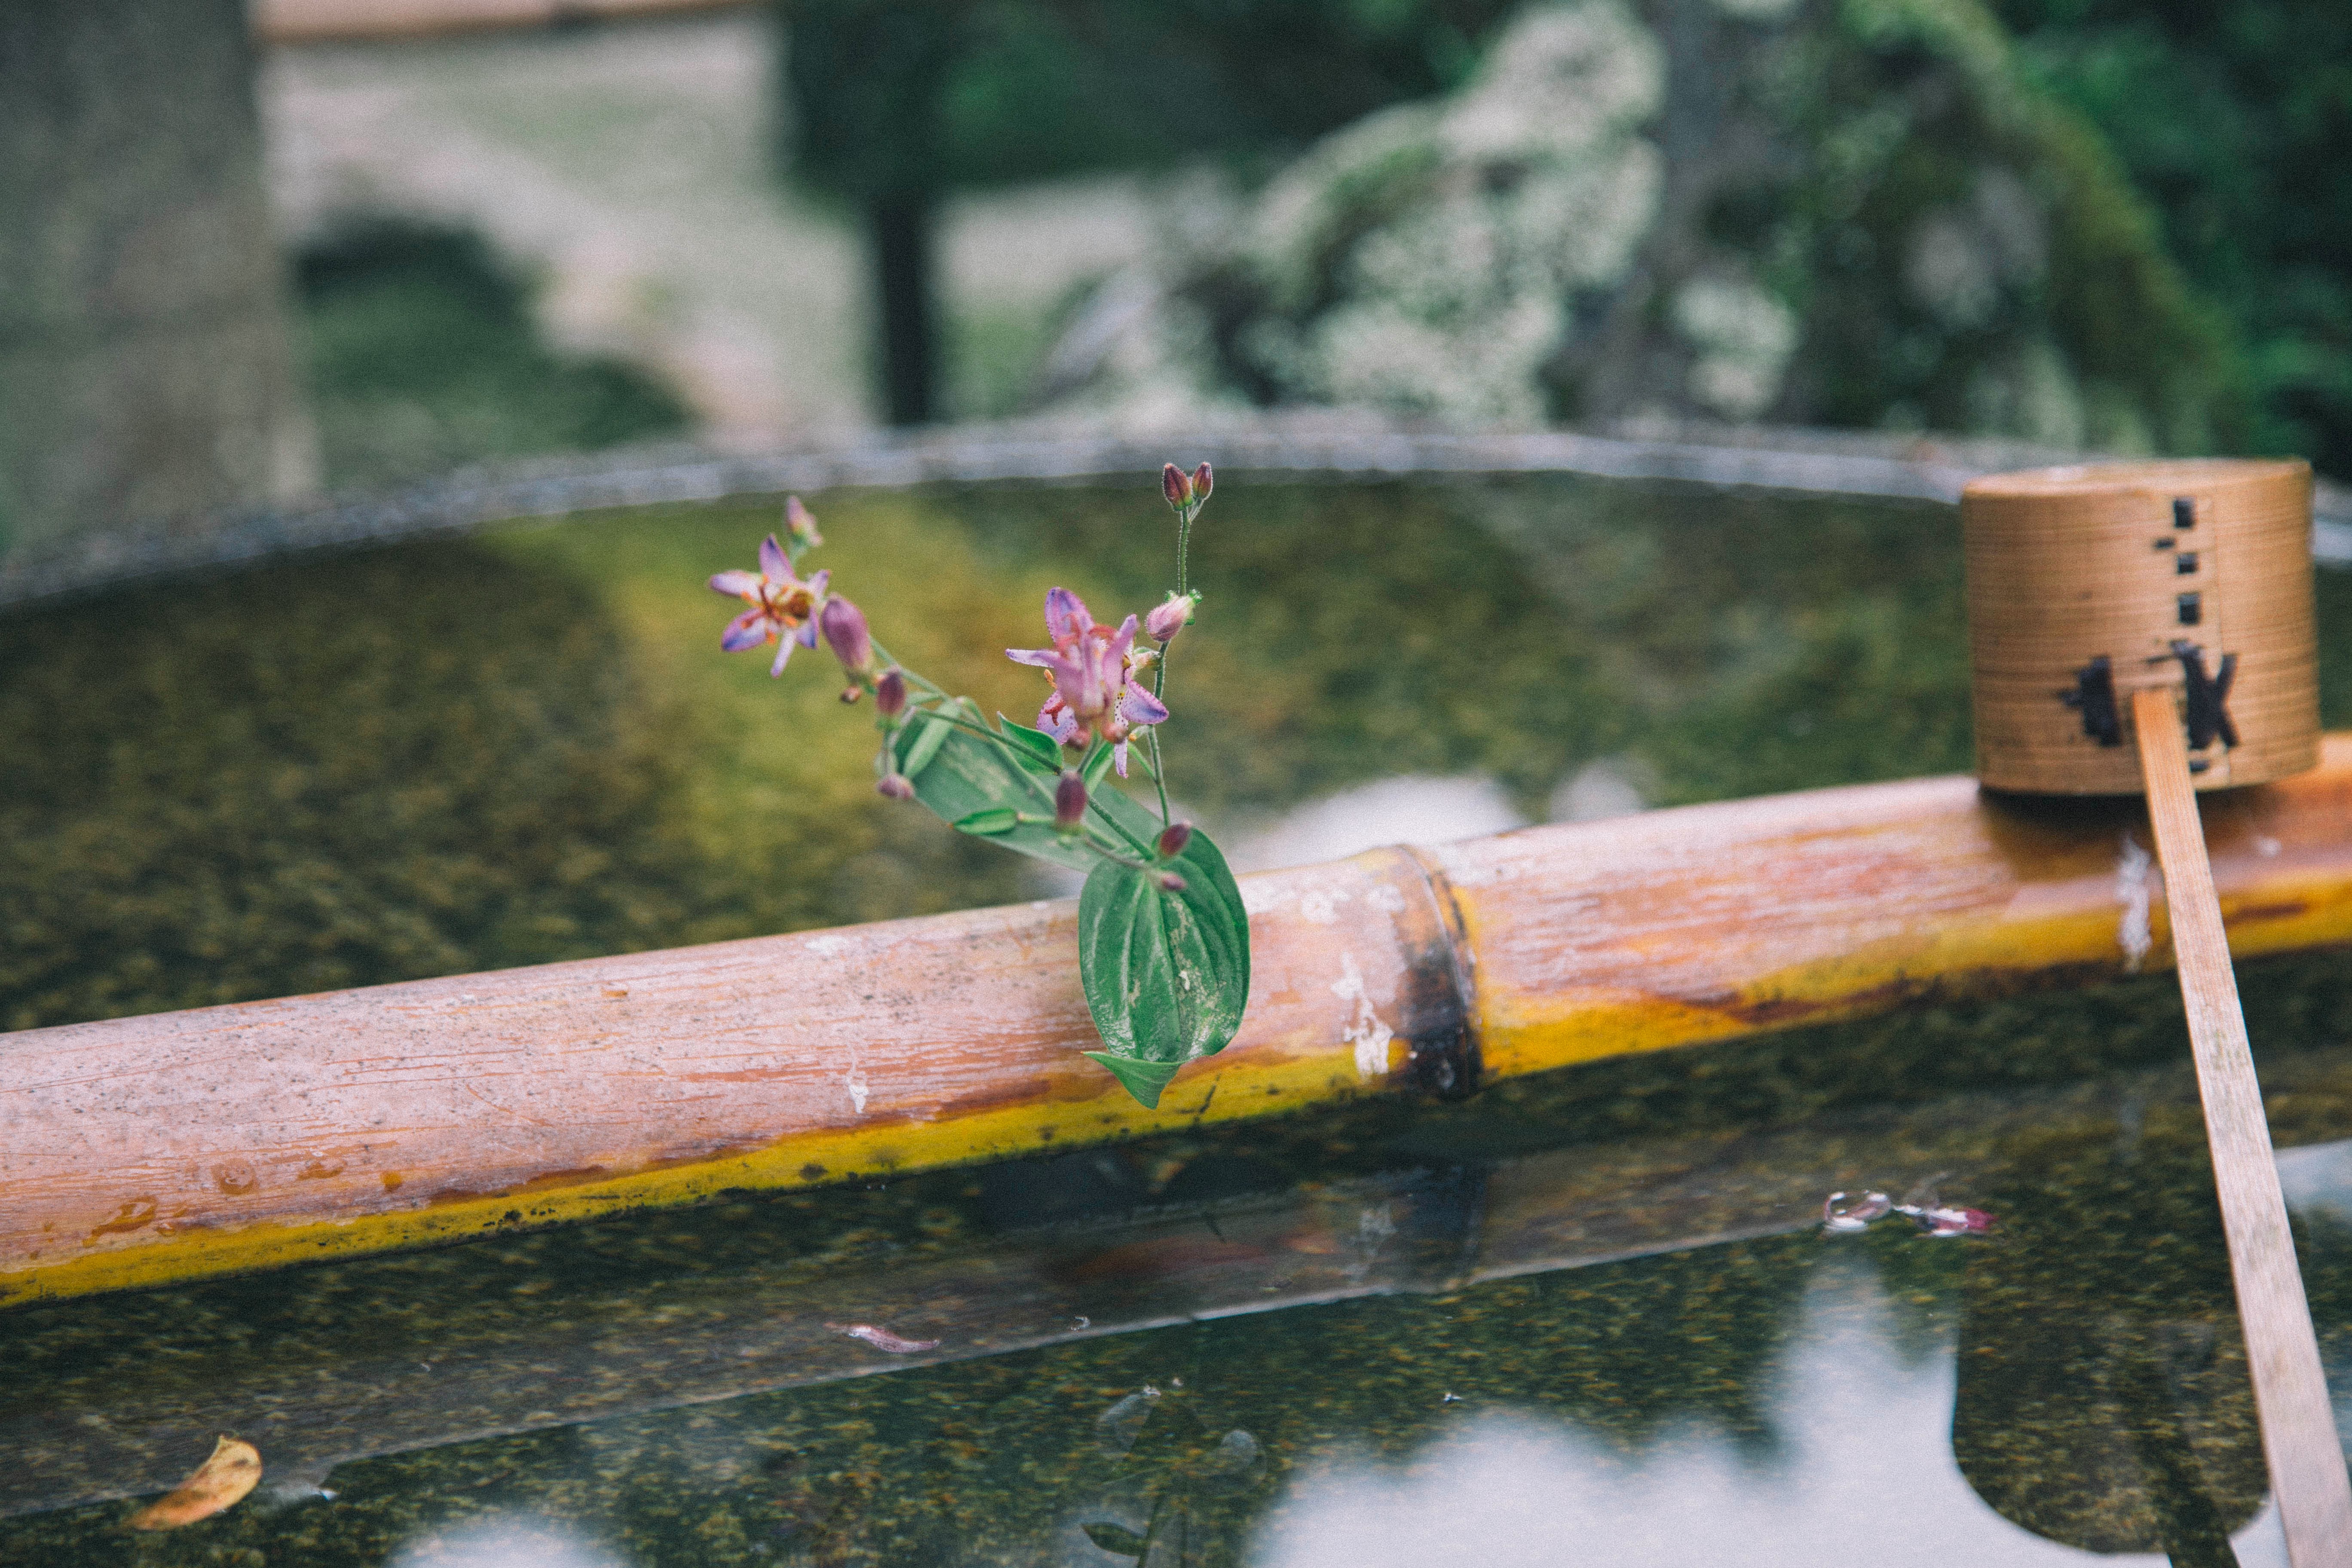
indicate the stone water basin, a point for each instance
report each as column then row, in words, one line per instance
column 524, row 746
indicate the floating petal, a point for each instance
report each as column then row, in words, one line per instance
column 882, row 1339
column 220, row 1482
column 1841, row 1216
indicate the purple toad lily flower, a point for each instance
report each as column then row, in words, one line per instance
column 783, row 608
column 1092, row 669
column 800, row 524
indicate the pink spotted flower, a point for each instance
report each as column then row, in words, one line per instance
column 783, row 608
column 1094, row 670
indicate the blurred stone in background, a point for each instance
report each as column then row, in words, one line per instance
column 146, row 369
column 1853, row 215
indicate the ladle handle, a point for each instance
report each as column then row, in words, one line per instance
column 2299, row 1439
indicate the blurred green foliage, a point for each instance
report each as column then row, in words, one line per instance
column 2234, row 120
column 910, row 95
column 893, row 103
column 2156, row 366
column 423, row 357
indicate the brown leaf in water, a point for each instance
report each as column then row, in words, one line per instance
column 220, row 1482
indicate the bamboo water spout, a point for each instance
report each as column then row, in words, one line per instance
column 145, row 1150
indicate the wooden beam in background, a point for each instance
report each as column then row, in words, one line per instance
column 140, row 1151
column 351, row 21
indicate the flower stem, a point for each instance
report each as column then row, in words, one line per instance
column 1183, row 542
column 1160, row 671
column 1108, row 821
column 1159, row 774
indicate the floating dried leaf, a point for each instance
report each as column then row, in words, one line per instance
column 220, row 1482
column 882, row 1339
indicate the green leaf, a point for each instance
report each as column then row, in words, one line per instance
column 990, row 822
column 930, row 734
column 964, row 774
column 1098, row 763
column 1140, row 1078
column 1166, row 972
column 1042, row 749
column 1117, row 1539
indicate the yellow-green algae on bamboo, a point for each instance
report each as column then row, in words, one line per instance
column 147, row 1149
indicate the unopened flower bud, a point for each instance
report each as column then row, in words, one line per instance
column 1202, row 482
column 1172, row 839
column 897, row 786
column 890, row 692
column 1069, row 803
column 1169, row 617
column 1170, row 882
column 851, row 693
column 801, row 524
column 1175, row 486
column 844, row 626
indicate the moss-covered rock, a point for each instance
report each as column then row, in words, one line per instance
column 1845, row 212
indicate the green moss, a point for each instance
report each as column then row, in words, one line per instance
column 438, row 759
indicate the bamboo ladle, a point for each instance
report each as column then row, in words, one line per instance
column 2148, row 628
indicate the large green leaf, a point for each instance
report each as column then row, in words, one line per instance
column 1166, row 971
column 960, row 775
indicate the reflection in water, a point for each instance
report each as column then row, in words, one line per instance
column 1864, row 1473
column 512, row 1540
column 2317, row 1180
column 1409, row 810
column 1615, row 1351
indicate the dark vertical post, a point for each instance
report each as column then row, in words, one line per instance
column 865, row 85
column 900, row 234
